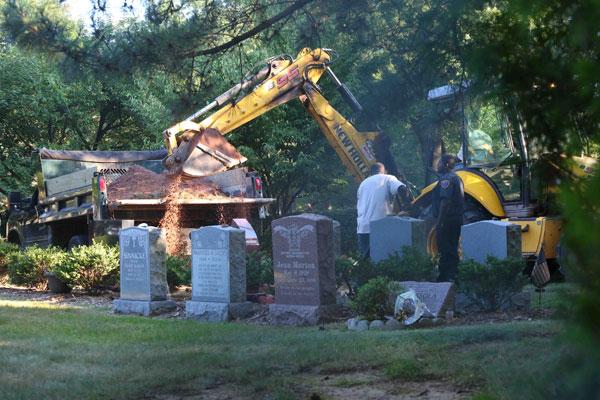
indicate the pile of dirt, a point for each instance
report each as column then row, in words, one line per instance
column 141, row 183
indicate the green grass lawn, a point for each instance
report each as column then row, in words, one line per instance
column 68, row 353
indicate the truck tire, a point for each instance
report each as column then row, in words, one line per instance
column 77, row 240
column 13, row 237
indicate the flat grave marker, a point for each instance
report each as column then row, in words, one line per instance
column 437, row 296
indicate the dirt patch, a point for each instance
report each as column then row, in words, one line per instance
column 478, row 318
column 74, row 299
column 222, row 392
column 367, row 385
column 141, row 183
column 79, row 298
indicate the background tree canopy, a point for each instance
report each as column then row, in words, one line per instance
column 95, row 84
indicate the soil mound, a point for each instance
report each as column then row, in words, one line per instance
column 141, row 183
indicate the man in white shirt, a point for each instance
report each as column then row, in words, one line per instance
column 375, row 200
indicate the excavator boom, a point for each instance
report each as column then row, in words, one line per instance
column 279, row 81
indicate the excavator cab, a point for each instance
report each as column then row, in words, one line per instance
column 489, row 139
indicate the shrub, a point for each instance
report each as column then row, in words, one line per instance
column 493, row 284
column 259, row 270
column 413, row 265
column 373, row 299
column 90, row 267
column 345, row 270
column 6, row 249
column 179, row 271
column 27, row 267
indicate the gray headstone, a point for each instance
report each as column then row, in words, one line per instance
column 143, row 279
column 218, row 272
column 304, row 267
column 490, row 238
column 390, row 234
column 304, row 260
column 143, row 264
column 218, row 264
column 437, row 296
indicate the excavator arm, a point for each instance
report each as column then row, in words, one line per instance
column 279, row 81
column 357, row 150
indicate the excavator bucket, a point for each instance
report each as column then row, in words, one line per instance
column 203, row 154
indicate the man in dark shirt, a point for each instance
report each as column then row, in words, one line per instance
column 448, row 208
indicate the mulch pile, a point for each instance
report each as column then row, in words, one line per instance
column 141, row 183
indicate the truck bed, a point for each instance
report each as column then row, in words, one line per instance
column 136, row 204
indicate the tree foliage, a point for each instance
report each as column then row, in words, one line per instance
column 118, row 85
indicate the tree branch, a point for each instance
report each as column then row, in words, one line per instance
column 257, row 29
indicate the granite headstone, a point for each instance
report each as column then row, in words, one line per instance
column 490, row 238
column 143, row 276
column 218, row 272
column 390, row 234
column 304, row 267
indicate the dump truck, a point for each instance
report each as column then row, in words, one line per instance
column 72, row 202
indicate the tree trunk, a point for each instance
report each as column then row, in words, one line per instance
column 100, row 131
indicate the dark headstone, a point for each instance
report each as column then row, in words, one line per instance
column 490, row 238
column 143, row 279
column 304, row 267
column 390, row 234
column 218, row 272
column 304, row 260
column 437, row 296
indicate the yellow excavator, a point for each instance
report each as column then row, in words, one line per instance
column 279, row 80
